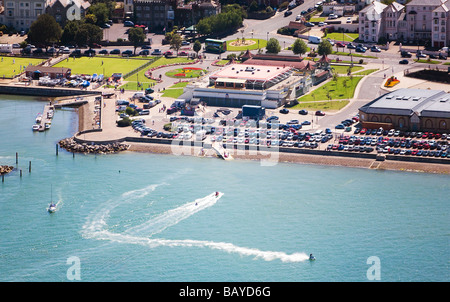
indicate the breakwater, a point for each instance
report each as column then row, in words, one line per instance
column 75, row 147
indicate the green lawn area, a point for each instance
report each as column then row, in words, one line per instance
column 348, row 37
column 341, row 69
column 318, row 19
column 329, row 105
column 427, row 61
column 341, row 53
column 9, row 66
column 143, row 80
column 175, row 90
column 343, row 88
column 184, row 74
column 262, row 44
column 101, row 65
column 179, row 85
column 222, row 62
column 365, row 72
column 173, row 93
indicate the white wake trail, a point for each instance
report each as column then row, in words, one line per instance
column 174, row 216
column 142, row 234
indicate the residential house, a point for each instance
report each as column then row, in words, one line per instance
column 370, row 22
column 67, row 10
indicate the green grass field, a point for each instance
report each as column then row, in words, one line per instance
column 9, row 66
column 343, row 88
column 329, row 105
column 262, row 44
column 187, row 75
column 132, row 81
column 347, row 37
column 341, row 69
column 101, row 65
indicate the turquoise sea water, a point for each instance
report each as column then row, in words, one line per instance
column 133, row 216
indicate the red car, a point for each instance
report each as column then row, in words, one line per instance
column 339, row 44
column 320, row 113
column 183, row 53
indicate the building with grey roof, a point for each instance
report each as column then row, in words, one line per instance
column 409, row 110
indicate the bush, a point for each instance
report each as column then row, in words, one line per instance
column 125, row 122
column 167, row 127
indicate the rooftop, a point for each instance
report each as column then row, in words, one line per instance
column 250, row 72
column 405, row 101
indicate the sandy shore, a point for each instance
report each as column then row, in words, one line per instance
column 306, row 159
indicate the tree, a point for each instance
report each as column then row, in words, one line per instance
column 273, row 46
column 136, row 35
column 175, row 42
column 101, row 12
column 299, row 47
column 324, row 48
column 197, row 46
column 44, row 30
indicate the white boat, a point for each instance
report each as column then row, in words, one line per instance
column 52, row 206
column 38, row 118
column 35, row 127
column 47, row 126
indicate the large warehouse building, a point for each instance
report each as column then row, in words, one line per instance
column 409, row 110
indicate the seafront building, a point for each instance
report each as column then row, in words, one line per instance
column 416, row 21
column 269, row 81
column 410, row 110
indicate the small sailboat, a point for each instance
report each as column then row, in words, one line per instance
column 52, row 206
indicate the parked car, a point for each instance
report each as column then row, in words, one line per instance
column 144, row 52
column 284, row 111
column 127, row 53
column 420, row 54
column 128, row 24
column 103, row 52
column 115, row 52
column 360, row 49
column 309, row 24
column 184, row 43
column 375, row 49
column 320, row 113
column 156, row 52
column 332, row 16
column 287, row 13
column 303, row 112
column 404, row 61
column 405, row 54
column 349, row 20
column 339, row 44
column 351, row 46
column 182, row 53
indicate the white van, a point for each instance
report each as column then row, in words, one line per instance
column 200, row 135
column 138, row 95
column 314, row 39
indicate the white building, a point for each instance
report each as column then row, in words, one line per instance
column 19, row 14
column 370, row 22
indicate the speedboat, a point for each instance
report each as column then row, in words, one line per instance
column 48, row 125
column 52, row 208
column 311, row 257
column 35, row 127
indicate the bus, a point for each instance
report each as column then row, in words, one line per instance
column 215, row 46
